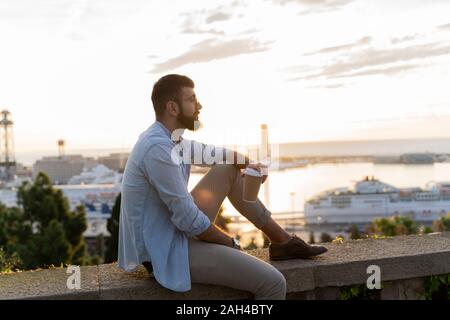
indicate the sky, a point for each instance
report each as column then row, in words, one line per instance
column 311, row 70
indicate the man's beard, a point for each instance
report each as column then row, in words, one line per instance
column 189, row 122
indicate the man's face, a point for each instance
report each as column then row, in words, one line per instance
column 189, row 109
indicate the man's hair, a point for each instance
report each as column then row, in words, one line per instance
column 168, row 88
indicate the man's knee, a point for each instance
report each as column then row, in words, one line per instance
column 279, row 285
column 274, row 288
column 227, row 170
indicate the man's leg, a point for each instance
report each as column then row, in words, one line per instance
column 212, row 263
column 226, row 181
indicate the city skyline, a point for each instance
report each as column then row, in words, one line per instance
column 333, row 70
column 339, row 148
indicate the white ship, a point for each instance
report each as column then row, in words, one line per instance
column 370, row 198
column 99, row 174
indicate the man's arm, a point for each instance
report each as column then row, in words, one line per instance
column 216, row 235
column 167, row 178
column 225, row 156
column 240, row 161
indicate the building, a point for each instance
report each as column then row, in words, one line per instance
column 115, row 161
column 61, row 169
column 386, row 159
column 23, row 171
column 99, row 174
column 417, row 158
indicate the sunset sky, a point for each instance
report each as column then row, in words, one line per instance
column 312, row 70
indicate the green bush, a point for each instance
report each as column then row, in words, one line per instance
column 443, row 224
column 9, row 263
column 394, row 226
column 437, row 287
column 354, row 232
column 325, row 237
column 359, row 292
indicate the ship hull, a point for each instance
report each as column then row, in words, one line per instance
column 420, row 211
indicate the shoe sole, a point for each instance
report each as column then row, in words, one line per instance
column 295, row 257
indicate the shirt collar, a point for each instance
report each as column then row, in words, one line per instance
column 163, row 127
column 167, row 131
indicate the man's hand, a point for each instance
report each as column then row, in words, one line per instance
column 216, row 235
column 261, row 168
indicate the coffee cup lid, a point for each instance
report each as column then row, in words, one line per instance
column 252, row 172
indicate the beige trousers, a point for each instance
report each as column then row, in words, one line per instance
column 212, row 263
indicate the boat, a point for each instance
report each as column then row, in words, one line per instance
column 370, row 198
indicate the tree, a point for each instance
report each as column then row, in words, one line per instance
column 427, row 230
column 112, row 243
column 9, row 262
column 311, row 237
column 44, row 231
column 443, row 224
column 354, row 232
column 13, row 226
column 394, row 226
column 325, row 237
column 100, row 246
column 50, row 246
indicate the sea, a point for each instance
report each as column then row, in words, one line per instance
column 288, row 190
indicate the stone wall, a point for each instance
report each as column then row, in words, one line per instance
column 404, row 261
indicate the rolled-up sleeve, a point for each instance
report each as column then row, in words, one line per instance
column 208, row 155
column 167, row 178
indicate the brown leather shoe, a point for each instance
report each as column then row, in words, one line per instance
column 294, row 249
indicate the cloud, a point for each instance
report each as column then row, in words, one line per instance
column 372, row 61
column 316, row 6
column 377, row 71
column 213, row 49
column 218, row 16
column 444, row 26
column 249, row 31
column 197, row 21
column 195, row 30
column 359, row 43
column 404, row 39
column 191, row 26
column 329, row 86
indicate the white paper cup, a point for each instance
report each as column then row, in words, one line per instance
column 252, row 183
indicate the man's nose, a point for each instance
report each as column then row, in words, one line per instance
column 199, row 106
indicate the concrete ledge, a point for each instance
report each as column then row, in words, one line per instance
column 400, row 258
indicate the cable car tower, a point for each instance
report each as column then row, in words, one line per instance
column 7, row 157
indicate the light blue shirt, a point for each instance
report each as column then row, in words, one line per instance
column 157, row 213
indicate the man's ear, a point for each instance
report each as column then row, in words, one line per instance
column 172, row 108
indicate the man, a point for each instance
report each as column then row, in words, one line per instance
column 170, row 230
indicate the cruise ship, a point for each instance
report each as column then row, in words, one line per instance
column 370, row 198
